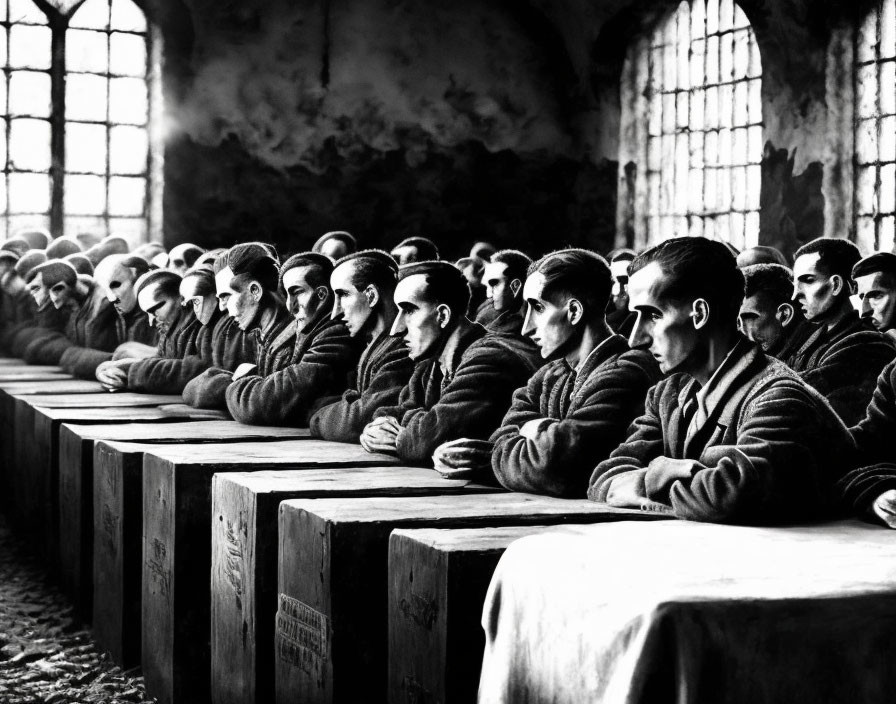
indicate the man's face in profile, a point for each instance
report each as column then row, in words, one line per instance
column 418, row 317
column 762, row 321
column 405, row 255
column 664, row 327
column 619, row 293
column 813, row 288
column 39, row 292
column 877, row 297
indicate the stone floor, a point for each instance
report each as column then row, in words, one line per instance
column 45, row 656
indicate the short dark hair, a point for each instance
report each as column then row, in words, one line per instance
column 138, row 265
column 205, row 281
column 81, row 263
column 836, row 257
column 54, row 272
column 483, row 250
column 772, row 281
column 877, row 263
column 191, row 253
column 477, row 264
column 763, row 254
column 372, row 266
column 62, row 247
column 426, row 248
column 622, row 254
column 576, row 273
column 28, row 261
column 516, row 262
column 167, row 281
column 107, row 247
column 698, row 268
column 319, row 268
column 347, row 239
column 37, row 238
column 252, row 260
column 208, row 260
column 444, row 284
column 16, row 245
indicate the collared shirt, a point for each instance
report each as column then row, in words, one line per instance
column 707, row 397
column 592, row 353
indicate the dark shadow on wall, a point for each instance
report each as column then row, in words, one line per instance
column 220, row 195
column 792, row 205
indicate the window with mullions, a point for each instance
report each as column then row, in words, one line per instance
column 700, row 83
column 75, row 99
column 875, row 188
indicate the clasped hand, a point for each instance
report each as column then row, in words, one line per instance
column 380, row 434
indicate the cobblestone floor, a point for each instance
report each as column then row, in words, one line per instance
column 45, row 656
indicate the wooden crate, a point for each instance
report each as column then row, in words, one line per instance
column 332, row 626
column 75, row 470
column 437, row 584
column 244, row 560
column 177, row 549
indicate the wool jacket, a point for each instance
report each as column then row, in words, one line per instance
column 875, row 433
column 585, row 412
column 467, row 402
column 485, row 313
column 510, row 322
column 843, row 364
column 161, row 374
column 383, row 370
column 220, row 344
column 35, row 341
column 90, row 336
column 792, row 340
column 271, row 347
column 135, row 327
column 768, row 451
column 323, row 358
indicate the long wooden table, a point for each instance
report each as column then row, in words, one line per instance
column 332, row 624
column 177, row 548
column 244, row 560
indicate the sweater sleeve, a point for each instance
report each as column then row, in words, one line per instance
column 284, row 397
column 780, row 469
column 344, row 420
column 83, row 361
column 858, row 489
column 164, row 376
column 559, row 460
column 208, row 389
column 46, row 348
column 644, row 442
column 471, row 405
column 873, row 435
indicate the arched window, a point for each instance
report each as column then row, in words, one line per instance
column 875, row 110
column 76, row 107
column 698, row 126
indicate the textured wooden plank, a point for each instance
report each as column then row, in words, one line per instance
column 206, row 431
column 332, row 628
column 181, row 409
column 244, row 560
column 177, row 549
column 102, row 400
column 69, row 386
column 437, row 584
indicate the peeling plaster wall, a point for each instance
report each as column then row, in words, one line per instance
column 385, row 117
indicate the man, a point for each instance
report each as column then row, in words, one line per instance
column 730, row 435
column 183, row 256
column 81, row 263
column 36, row 239
column 321, row 362
column 844, row 356
column 107, row 246
column 246, row 279
column 90, row 336
column 619, row 318
column 158, row 295
column 483, row 251
column 335, row 245
column 117, row 275
column 40, row 323
column 20, row 311
column 61, row 247
column 464, row 378
column 576, row 409
column 473, row 269
column 767, row 315
column 363, row 287
column 415, row 249
column 875, row 278
column 504, row 276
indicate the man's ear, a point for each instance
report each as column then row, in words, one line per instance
column 575, row 311
column 785, row 314
column 321, row 292
column 371, row 295
column 255, row 290
column 515, row 286
column 443, row 315
column 839, row 285
column 700, row 313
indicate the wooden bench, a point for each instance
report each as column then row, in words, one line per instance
column 332, row 625
column 244, row 560
column 437, row 584
column 75, row 470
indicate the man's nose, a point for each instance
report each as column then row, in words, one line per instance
column 640, row 337
column 399, row 327
column 796, row 293
column 864, row 307
column 528, row 327
column 152, row 320
column 337, row 310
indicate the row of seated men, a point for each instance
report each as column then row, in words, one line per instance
column 745, row 392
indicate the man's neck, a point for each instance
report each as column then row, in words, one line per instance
column 80, row 292
column 838, row 313
column 453, row 340
column 268, row 313
column 593, row 334
column 718, row 347
column 381, row 320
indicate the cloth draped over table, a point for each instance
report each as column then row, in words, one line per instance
column 680, row 612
